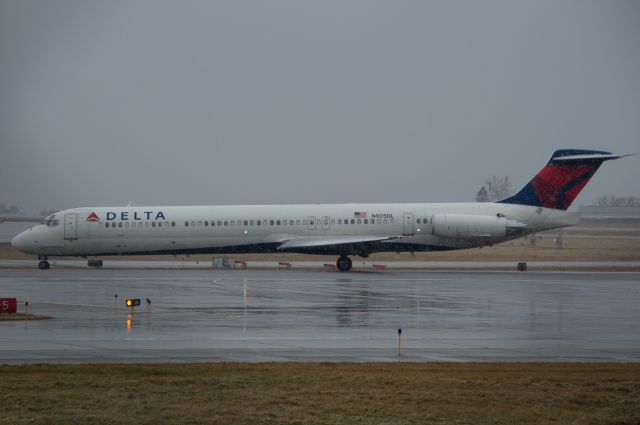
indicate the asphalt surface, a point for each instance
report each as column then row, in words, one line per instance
column 271, row 315
column 358, row 264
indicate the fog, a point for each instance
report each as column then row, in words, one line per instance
column 246, row 102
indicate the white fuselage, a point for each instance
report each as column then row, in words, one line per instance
column 344, row 229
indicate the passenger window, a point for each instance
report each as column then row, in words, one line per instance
column 425, row 220
column 193, row 223
column 386, row 221
column 391, row 220
column 366, row 221
column 278, row 222
column 173, row 224
column 418, row 220
column 298, row 222
column 326, row 221
column 291, row 222
column 333, row 221
column 353, row 221
column 252, row 223
column 232, row 223
column 186, row 224
column 271, row 222
column 159, row 224
column 305, row 222
column 379, row 221
column 226, row 223
column 311, row 222
column 220, row 223
column 206, row 224
column 153, row 224
column 339, row 221
column 106, row 224
column 359, row 221
column 120, row 224
column 199, row 223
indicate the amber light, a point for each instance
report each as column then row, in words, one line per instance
column 132, row 302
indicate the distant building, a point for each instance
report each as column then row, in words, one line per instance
column 597, row 213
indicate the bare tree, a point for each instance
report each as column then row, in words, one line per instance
column 12, row 210
column 494, row 189
column 482, row 195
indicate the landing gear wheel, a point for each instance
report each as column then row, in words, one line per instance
column 43, row 265
column 343, row 264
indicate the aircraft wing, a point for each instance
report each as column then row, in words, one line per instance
column 332, row 241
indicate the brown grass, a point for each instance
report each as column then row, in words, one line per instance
column 297, row 393
column 21, row 316
column 578, row 249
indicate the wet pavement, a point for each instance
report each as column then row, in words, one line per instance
column 270, row 315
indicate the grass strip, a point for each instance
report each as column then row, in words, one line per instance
column 21, row 316
column 324, row 393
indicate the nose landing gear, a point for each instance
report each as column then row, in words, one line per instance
column 344, row 263
column 43, row 264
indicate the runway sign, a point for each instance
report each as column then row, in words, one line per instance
column 8, row 305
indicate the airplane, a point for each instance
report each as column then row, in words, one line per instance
column 328, row 229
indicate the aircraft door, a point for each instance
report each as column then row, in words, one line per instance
column 325, row 222
column 407, row 225
column 71, row 226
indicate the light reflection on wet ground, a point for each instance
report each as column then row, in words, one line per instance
column 208, row 315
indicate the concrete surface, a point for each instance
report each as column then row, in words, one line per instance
column 270, row 315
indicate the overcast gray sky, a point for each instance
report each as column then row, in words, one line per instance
column 203, row 102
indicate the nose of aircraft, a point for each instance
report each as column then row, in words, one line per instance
column 18, row 242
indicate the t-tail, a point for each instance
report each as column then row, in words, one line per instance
column 561, row 180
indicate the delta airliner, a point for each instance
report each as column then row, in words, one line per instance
column 341, row 229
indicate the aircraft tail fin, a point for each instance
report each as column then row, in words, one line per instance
column 561, row 180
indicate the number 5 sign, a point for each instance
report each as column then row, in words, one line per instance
column 8, row 305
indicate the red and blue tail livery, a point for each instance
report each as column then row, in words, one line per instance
column 562, row 179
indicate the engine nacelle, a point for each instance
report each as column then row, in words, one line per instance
column 465, row 226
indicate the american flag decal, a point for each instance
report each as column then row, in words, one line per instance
column 360, row 214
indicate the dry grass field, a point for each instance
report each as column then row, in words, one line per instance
column 21, row 316
column 298, row 393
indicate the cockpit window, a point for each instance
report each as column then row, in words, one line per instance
column 50, row 221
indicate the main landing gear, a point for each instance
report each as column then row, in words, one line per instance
column 344, row 263
column 43, row 264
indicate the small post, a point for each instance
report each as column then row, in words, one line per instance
column 148, row 305
column 116, row 301
column 26, row 308
column 399, row 335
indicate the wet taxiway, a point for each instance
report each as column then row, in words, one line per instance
column 215, row 315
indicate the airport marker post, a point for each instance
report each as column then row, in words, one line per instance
column 399, row 334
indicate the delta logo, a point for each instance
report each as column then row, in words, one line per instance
column 93, row 217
